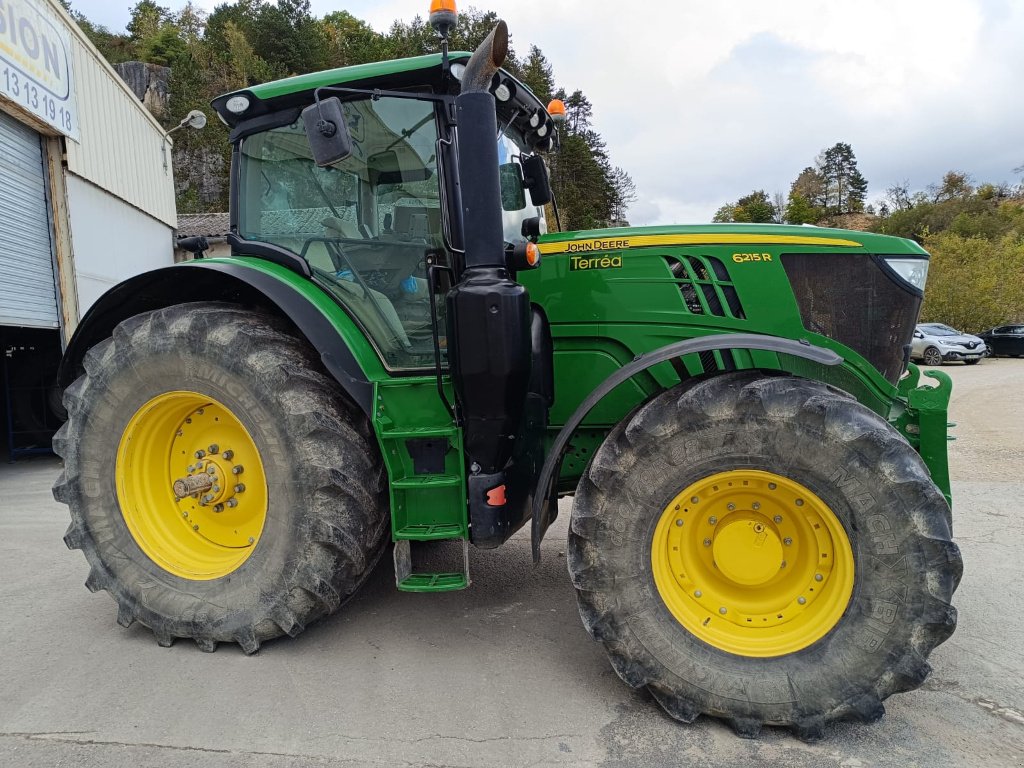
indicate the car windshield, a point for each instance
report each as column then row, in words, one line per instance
column 365, row 225
column 940, row 330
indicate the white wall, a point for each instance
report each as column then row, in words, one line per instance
column 111, row 240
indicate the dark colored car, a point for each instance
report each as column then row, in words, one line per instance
column 1005, row 340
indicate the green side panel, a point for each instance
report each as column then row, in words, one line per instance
column 611, row 295
column 349, row 332
column 425, row 506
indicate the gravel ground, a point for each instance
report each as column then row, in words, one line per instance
column 499, row 675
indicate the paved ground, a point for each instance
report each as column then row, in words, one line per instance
column 500, row 675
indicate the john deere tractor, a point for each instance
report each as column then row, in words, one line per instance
column 397, row 351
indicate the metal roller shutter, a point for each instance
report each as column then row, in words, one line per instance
column 28, row 296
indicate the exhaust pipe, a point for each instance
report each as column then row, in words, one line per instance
column 488, row 313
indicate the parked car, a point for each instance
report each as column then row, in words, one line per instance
column 935, row 343
column 1004, row 340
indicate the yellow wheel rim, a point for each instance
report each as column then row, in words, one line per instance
column 752, row 563
column 191, row 485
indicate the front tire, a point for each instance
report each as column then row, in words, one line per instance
column 932, row 356
column 296, row 516
column 708, row 624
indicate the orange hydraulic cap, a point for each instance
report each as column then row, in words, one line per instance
column 496, row 496
column 556, row 108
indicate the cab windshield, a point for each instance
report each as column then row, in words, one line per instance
column 365, row 225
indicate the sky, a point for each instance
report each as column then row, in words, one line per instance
column 704, row 102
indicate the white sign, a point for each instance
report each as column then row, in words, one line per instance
column 35, row 63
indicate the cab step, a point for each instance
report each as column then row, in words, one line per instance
column 408, row 581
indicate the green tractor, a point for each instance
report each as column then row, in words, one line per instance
column 397, row 352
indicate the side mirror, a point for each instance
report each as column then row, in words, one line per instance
column 327, row 131
column 536, row 179
column 511, row 178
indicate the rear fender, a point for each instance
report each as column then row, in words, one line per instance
column 324, row 325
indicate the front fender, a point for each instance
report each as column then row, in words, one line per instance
column 543, row 494
column 342, row 346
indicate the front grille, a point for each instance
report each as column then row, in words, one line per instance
column 705, row 285
column 847, row 297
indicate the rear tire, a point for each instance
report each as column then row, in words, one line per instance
column 895, row 520
column 318, row 517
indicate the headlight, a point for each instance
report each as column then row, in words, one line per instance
column 913, row 271
column 237, row 104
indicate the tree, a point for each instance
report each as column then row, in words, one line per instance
column 537, row 74
column 810, row 185
column 754, row 208
column 800, row 211
column 844, row 186
column 898, row 196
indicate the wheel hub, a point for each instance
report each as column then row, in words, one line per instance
column 748, row 552
column 752, row 563
column 179, row 471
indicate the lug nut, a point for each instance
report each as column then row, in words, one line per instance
column 799, row 502
column 756, row 505
column 712, row 520
column 207, row 498
column 698, row 593
column 679, row 522
column 730, row 506
column 695, row 499
column 772, row 486
column 237, row 470
column 195, row 527
column 818, row 577
column 252, row 540
column 211, row 470
column 801, row 600
column 214, row 449
column 787, row 541
column 200, row 453
column 216, row 488
column 707, row 542
column 232, row 502
column 777, row 518
column 723, row 610
column 239, row 488
column 219, row 508
column 228, row 455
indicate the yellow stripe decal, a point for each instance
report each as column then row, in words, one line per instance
column 642, row 241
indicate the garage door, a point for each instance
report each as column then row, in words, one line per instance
column 27, row 293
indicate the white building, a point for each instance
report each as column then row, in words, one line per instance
column 86, row 199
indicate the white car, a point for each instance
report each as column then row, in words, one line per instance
column 935, row 343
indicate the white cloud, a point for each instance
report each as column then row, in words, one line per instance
column 704, row 102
